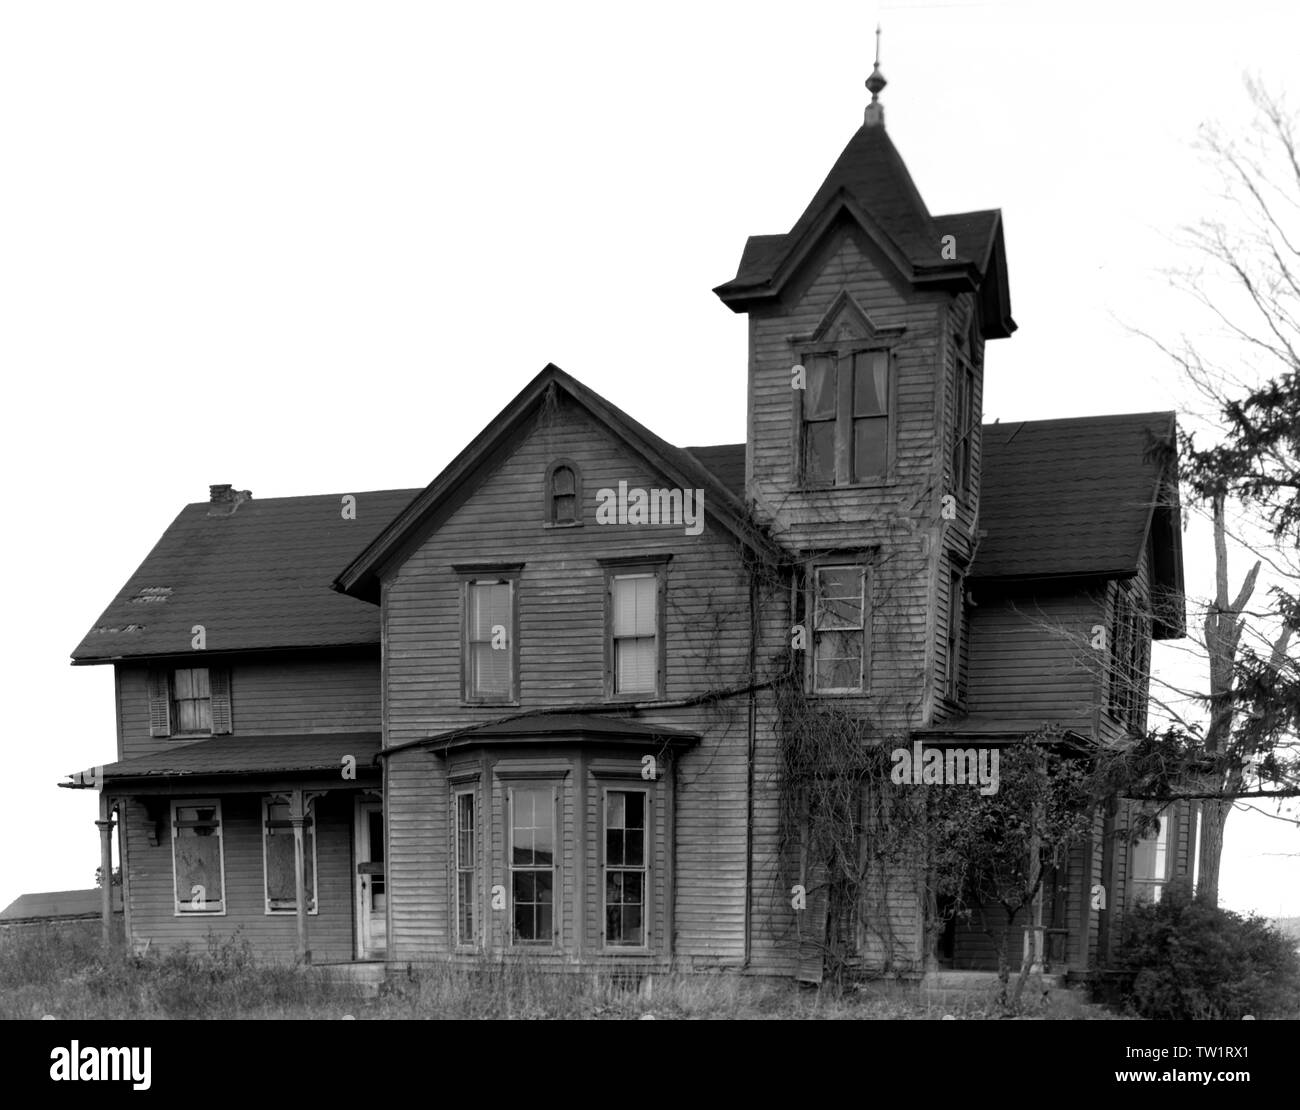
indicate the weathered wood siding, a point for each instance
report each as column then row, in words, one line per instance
column 561, row 621
column 901, row 516
column 1031, row 657
column 290, row 697
column 272, row 936
column 897, row 524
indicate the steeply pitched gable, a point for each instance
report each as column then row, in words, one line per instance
column 459, row 479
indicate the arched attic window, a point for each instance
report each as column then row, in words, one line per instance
column 563, row 493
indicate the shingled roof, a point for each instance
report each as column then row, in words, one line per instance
column 247, row 755
column 54, row 904
column 1060, row 498
column 1078, row 497
column 257, row 578
column 870, row 183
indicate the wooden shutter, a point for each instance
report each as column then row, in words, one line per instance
column 812, row 926
column 160, row 703
column 219, row 686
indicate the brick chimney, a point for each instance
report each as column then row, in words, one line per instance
column 225, row 499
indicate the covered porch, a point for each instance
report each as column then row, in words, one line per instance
column 273, row 840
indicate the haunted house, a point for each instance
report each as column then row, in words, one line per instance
column 486, row 718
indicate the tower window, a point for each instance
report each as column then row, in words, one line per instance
column 845, row 422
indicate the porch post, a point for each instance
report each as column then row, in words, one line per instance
column 297, row 816
column 127, row 933
column 105, row 826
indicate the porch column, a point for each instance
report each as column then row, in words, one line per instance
column 105, row 826
column 124, row 866
column 297, row 817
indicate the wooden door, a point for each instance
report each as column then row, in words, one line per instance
column 371, row 892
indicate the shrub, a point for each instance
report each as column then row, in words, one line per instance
column 1192, row 960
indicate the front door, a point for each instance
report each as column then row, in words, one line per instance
column 371, row 897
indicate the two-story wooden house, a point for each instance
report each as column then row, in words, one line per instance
column 533, row 709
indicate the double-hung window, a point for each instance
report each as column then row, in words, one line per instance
column 192, row 700
column 278, row 857
column 626, row 824
column 532, row 864
column 1149, row 868
column 198, row 861
column 635, row 649
column 839, row 629
column 466, row 867
column 491, row 651
column 845, row 433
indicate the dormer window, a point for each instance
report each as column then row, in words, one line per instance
column 563, row 493
column 846, row 434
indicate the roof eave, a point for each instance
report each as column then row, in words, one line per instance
column 361, row 577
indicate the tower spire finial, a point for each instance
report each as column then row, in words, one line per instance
column 875, row 113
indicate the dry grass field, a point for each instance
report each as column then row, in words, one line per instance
column 60, row 970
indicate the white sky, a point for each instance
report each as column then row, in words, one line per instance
column 309, row 248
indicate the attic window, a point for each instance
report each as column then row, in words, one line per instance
column 563, row 494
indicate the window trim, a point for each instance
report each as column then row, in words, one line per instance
column 458, row 791
column 810, row 613
column 489, row 575
column 1156, row 884
column 1129, row 658
column 648, row 900
column 548, row 495
column 843, row 420
column 555, row 941
column 963, row 445
column 652, row 568
column 176, row 730
column 955, row 642
column 310, row 816
column 198, row 803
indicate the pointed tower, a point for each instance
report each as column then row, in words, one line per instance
column 867, row 325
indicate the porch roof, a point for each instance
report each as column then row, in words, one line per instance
column 248, row 755
column 552, row 728
column 989, row 727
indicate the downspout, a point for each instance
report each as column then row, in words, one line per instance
column 749, row 770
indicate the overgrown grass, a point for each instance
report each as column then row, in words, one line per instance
column 61, row 970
